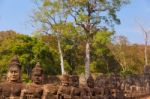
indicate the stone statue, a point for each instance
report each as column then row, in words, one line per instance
column 85, row 92
column 95, row 92
column 92, row 92
column 13, row 86
column 35, row 89
column 75, row 89
column 147, row 69
column 64, row 90
column 127, row 87
column 50, row 91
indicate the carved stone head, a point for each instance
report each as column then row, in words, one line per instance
column 90, row 82
column 14, row 70
column 37, row 74
column 75, row 81
column 65, row 79
column 147, row 69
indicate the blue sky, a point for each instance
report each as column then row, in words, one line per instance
column 138, row 11
column 14, row 15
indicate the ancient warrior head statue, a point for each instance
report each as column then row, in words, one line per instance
column 65, row 79
column 37, row 68
column 14, row 70
column 74, row 81
column 37, row 74
column 90, row 82
column 14, row 63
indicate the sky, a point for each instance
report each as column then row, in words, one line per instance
column 15, row 15
column 137, row 12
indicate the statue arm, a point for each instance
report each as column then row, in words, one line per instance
column 44, row 96
column 45, row 92
column 72, row 91
column 85, row 93
column 59, row 92
column 23, row 94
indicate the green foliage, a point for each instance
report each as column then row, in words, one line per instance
column 25, row 78
column 30, row 50
column 80, row 70
column 106, row 57
column 97, row 11
column 127, row 71
column 73, row 23
column 102, row 59
column 69, row 20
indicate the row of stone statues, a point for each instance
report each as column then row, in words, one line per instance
column 69, row 88
column 112, row 87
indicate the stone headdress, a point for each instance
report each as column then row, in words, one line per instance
column 14, row 63
column 74, row 77
column 90, row 78
column 37, row 68
column 65, row 77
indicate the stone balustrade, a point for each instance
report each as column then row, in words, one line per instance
column 105, row 87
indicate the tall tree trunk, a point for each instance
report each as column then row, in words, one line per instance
column 87, row 59
column 145, row 51
column 61, row 54
column 146, row 41
column 124, row 61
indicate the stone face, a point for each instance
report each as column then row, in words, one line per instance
column 64, row 89
column 37, row 74
column 13, row 85
column 14, row 70
column 95, row 92
column 90, row 91
column 75, row 89
column 147, row 69
column 100, row 81
column 35, row 89
column 74, row 81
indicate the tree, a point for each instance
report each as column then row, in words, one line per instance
column 126, row 54
column 146, row 35
column 119, row 49
column 102, row 58
column 29, row 50
column 50, row 15
column 92, row 16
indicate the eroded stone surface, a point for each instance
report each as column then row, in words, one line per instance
column 50, row 91
column 64, row 90
column 69, row 87
column 115, row 87
column 75, row 88
column 12, row 86
column 35, row 89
